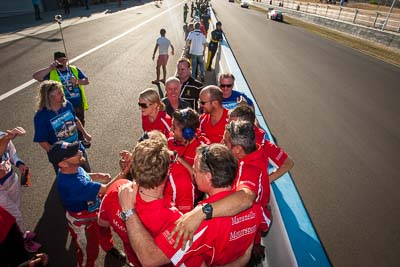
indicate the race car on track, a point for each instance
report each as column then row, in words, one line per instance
column 244, row 3
column 275, row 15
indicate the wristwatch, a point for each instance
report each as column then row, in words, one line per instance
column 208, row 210
column 126, row 214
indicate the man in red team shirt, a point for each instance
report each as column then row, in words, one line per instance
column 215, row 169
column 185, row 138
column 178, row 189
column 276, row 156
column 185, row 134
column 215, row 116
column 245, row 113
column 217, row 242
column 251, row 183
column 109, row 216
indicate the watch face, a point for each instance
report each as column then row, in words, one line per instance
column 207, row 209
column 126, row 214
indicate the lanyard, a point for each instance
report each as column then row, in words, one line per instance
column 64, row 77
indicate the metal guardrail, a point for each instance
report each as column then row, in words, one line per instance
column 369, row 18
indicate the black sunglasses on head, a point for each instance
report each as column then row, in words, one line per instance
column 206, row 158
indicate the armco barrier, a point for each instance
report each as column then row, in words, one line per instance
column 390, row 39
column 292, row 240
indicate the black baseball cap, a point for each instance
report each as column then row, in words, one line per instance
column 219, row 23
column 62, row 150
column 58, row 55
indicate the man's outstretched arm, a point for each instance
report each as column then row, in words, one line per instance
column 286, row 166
column 229, row 206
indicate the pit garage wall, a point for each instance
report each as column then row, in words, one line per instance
column 10, row 8
column 18, row 7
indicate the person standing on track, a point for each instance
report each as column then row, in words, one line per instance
column 215, row 116
column 36, row 6
column 216, row 37
column 72, row 80
column 191, row 9
column 173, row 101
column 190, row 87
column 197, row 42
column 154, row 116
column 185, row 12
column 162, row 44
column 55, row 119
column 80, row 194
column 232, row 98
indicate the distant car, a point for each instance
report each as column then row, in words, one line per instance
column 244, row 3
column 275, row 15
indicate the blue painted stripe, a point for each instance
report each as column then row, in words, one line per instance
column 305, row 243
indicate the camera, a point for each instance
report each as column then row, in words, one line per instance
column 59, row 66
column 58, row 18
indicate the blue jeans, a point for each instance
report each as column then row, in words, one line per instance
column 197, row 60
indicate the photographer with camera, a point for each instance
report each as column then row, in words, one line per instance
column 73, row 81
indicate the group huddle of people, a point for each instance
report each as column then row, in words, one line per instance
column 197, row 174
column 193, row 192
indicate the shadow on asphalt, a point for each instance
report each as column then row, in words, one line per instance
column 50, row 40
column 13, row 24
column 53, row 232
column 54, row 236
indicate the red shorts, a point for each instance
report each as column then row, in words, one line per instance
column 162, row 60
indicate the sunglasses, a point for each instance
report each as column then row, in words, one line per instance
column 143, row 137
column 143, row 105
column 204, row 102
column 226, row 85
column 206, row 159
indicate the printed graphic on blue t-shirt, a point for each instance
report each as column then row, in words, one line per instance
column 229, row 105
column 93, row 205
column 64, row 127
column 231, row 102
column 73, row 94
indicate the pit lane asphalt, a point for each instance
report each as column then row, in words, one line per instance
column 336, row 112
column 117, row 73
